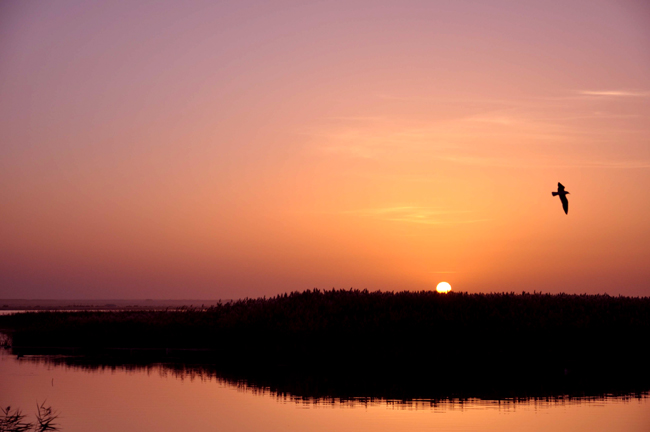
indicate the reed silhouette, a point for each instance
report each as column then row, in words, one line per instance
column 14, row 420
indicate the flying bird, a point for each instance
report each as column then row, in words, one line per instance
column 562, row 193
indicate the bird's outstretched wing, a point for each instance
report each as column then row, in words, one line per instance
column 565, row 204
column 560, row 187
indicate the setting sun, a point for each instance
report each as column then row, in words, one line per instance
column 443, row 287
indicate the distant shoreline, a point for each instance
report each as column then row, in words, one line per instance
column 103, row 304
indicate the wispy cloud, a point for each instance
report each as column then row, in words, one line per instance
column 498, row 117
column 363, row 141
column 485, row 161
column 358, row 118
column 517, row 136
column 609, row 164
column 615, row 93
column 359, row 151
column 414, row 214
column 543, row 163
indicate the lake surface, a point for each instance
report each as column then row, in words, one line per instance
column 163, row 399
column 10, row 312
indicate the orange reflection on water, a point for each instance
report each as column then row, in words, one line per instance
column 156, row 398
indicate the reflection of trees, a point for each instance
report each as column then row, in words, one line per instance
column 314, row 387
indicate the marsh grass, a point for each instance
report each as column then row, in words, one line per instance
column 14, row 420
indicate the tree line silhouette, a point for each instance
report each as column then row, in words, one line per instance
column 502, row 339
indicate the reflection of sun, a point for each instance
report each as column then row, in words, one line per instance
column 443, row 287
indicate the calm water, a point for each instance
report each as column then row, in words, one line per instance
column 9, row 312
column 157, row 398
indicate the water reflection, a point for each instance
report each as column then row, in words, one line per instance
column 303, row 386
column 110, row 396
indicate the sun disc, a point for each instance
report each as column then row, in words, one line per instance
column 443, row 287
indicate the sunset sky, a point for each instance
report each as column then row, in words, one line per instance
column 207, row 149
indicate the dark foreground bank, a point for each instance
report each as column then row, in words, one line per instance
column 355, row 342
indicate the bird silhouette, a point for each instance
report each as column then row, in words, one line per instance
column 562, row 193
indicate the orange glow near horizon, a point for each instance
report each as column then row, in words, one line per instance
column 231, row 150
